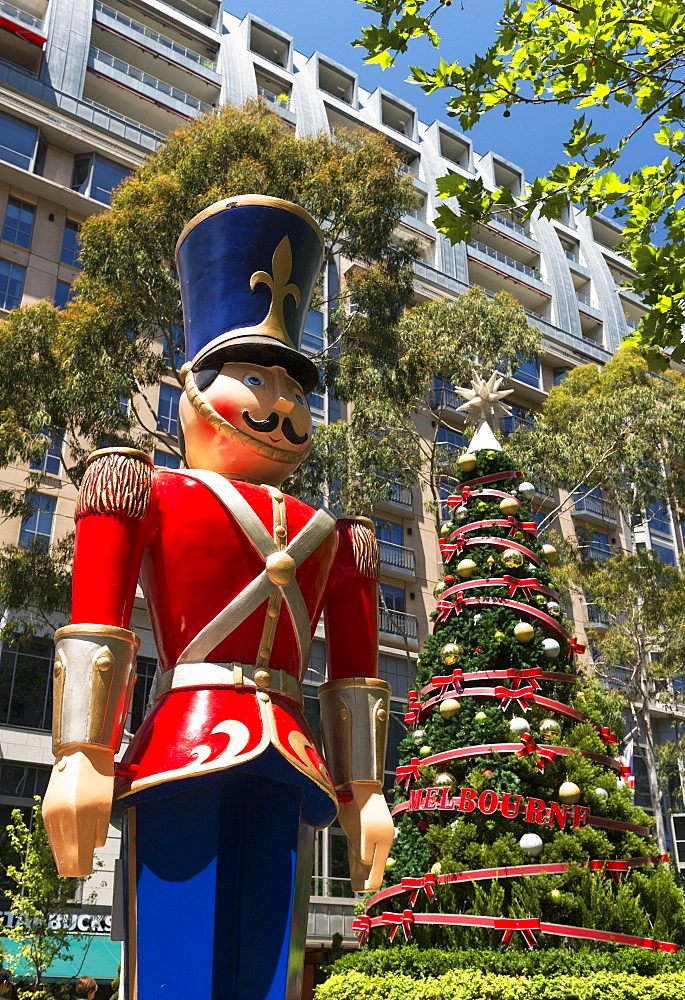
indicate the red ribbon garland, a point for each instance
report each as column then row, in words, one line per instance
column 575, row 647
column 456, row 678
column 522, row 696
column 405, row 773
column 607, row 735
column 413, row 714
column 397, row 920
column 493, row 477
column 427, row 883
column 529, row 746
column 361, row 925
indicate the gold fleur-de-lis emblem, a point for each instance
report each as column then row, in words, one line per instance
column 273, row 325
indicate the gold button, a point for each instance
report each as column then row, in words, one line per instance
column 280, row 568
column 265, row 651
column 105, row 661
column 272, row 611
column 343, row 713
column 277, row 495
column 262, row 677
column 381, row 715
column 279, row 531
column 263, row 696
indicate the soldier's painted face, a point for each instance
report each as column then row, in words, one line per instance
column 267, row 408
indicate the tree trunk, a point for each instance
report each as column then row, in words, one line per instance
column 644, row 717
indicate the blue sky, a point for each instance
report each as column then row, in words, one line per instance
column 531, row 138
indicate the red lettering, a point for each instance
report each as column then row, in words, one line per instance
column 536, row 811
column 580, row 815
column 488, row 801
column 416, row 798
column 432, row 798
column 557, row 814
column 467, row 800
column 445, row 802
column 508, row 808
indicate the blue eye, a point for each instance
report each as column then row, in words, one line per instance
column 300, row 399
column 253, row 379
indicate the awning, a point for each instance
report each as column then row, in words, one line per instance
column 92, row 955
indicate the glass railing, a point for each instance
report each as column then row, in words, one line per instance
column 516, row 226
column 282, row 100
column 585, row 299
column 122, row 118
column 416, row 213
column 631, row 324
column 20, row 15
column 397, row 556
column 594, row 615
column 531, row 272
column 149, row 81
column 572, row 256
column 155, row 36
column 512, row 424
column 398, row 623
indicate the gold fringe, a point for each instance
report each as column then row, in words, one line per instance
column 365, row 548
column 116, row 484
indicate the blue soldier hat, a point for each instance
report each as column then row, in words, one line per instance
column 247, row 268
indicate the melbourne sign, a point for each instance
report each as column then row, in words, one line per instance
column 511, row 806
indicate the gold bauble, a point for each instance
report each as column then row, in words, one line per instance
column 445, row 779
column 550, row 554
column 524, row 632
column 467, row 462
column 550, row 727
column 449, row 708
column 569, row 793
column 451, row 653
column 465, row 568
column 425, row 752
column 509, row 505
column 480, row 717
column 445, row 530
column 512, row 558
column 439, row 589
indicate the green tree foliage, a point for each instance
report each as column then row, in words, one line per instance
column 458, row 840
column 589, row 55
column 39, row 900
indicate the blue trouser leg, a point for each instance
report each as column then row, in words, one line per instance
column 222, row 874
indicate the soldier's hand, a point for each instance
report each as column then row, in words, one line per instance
column 77, row 807
column 369, row 829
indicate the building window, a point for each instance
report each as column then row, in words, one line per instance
column 18, row 143
column 389, row 531
column 96, row 177
column 163, row 460
column 394, row 597
column 51, row 462
column 71, row 246
column 179, row 347
column 398, row 673
column 529, row 373
column 559, row 374
column 520, row 419
column 19, row 219
column 36, row 529
column 666, row 554
column 312, row 336
column 145, row 675
column 316, row 669
column 658, row 518
column 26, row 685
column 63, row 293
column 167, row 411
column 11, row 284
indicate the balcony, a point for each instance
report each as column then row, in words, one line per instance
column 398, row 624
column 282, row 104
column 573, row 257
column 594, row 505
column 515, row 265
column 400, row 500
column 166, row 47
column 20, row 22
column 503, row 220
column 510, row 425
column 595, row 616
column 444, row 399
column 595, row 553
column 131, row 78
column 397, row 560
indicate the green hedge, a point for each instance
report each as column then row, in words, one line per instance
column 471, row 984
column 417, row 963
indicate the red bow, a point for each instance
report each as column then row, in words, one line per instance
column 397, row 920
column 575, row 647
column 428, row 882
column 516, row 525
column 449, row 548
column 613, row 867
column 526, row 927
column 522, row 696
column 454, row 500
column 361, row 925
column 413, row 715
column 530, row 746
column 407, row 772
column 607, row 735
column 456, row 678
column 513, row 583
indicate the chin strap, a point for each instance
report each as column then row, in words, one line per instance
column 223, row 426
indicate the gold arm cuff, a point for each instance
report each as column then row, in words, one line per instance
column 354, row 728
column 94, row 674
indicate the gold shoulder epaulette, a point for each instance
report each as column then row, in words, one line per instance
column 117, row 481
column 364, row 545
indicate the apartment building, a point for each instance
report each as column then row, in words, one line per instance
column 87, row 88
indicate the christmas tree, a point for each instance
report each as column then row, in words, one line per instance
column 513, row 821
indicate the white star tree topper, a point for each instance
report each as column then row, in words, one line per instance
column 483, row 406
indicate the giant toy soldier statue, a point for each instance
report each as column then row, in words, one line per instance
column 223, row 785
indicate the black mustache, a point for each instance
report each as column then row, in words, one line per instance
column 271, row 423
